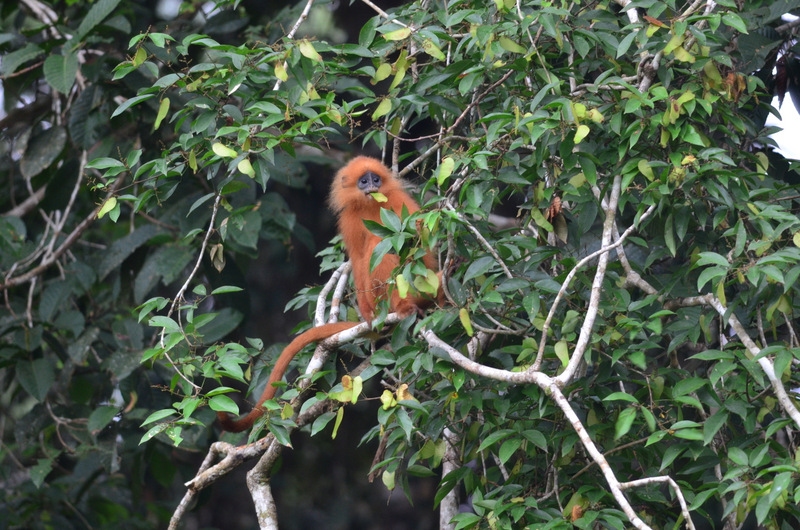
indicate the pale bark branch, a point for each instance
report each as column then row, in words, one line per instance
column 551, row 387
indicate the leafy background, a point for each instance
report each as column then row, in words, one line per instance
column 164, row 201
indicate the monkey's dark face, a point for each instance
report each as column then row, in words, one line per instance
column 369, row 182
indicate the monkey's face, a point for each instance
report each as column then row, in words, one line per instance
column 369, row 182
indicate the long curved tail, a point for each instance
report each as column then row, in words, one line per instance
column 301, row 341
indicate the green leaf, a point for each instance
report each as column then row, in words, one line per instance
column 735, row 21
column 120, row 249
column 712, row 258
column 98, row 12
column 13, row 60
column 672, row 452
column 164, row 264
column 40, row 471
column 43, row 150
column 494, row 437
column 163, row 108
column 36, row 377
column 713, row 424
column 223, row 403
column 60, row 71
column 508, row 449
column 478, row 267
column 624, row 422
column 621, row 396
column 321, row 422
column 131, row 102
column 158, row 415
column 101, row 417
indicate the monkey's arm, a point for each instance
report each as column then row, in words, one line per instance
column 301, row 341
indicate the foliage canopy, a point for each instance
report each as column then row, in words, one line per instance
column 621, row 254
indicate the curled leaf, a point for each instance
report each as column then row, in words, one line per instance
column 247, row 168
column 223, row 150
column 463, row 316
column 398, row 34
column 308, row 51
column 109, row 205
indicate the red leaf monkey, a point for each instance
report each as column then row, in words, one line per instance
column 351, row 199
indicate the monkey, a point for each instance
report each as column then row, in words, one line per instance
column 351, row 199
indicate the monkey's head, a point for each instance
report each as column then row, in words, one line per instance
column 357, row 181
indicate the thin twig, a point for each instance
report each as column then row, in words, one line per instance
column 303, row 16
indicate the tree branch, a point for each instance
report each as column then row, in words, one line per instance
column 551, row 387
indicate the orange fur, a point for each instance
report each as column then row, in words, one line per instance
column 353, row 206
column 352, row 201
column 301, row 341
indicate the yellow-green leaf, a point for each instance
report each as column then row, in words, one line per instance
column 541, row 220
column 682, row 55
column 432, row 50
column 674, row 42
column 109, row 205
column 762, row 163
column 581, row 133
column 685, row 98
column 646, row 170
column 445, row 170
column 596, row 116
column 720, row 291
column 511, row 46
column 139, row 57
column 384, row 107
column 335, row 116
column 223, row 150
column 463, row 316
column 402, row 285
column 193, row 160
column 388, row 480
column 338, row 422
column 379, row 197
column 796, row 239
column 280, row 71
column 247, row 168
column 162, row 113
column 383, row 71
column 358, row 385
column 562, row 352
column 398, row 34
column 428, row 284
column 388, row 400
column 308, row 51
column 398, row 77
